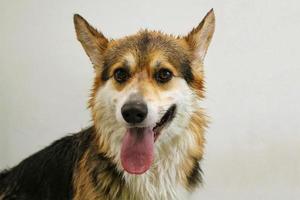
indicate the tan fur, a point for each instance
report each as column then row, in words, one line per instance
column 84, row 189
column 197, row 127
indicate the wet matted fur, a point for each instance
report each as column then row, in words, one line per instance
column 87, row 165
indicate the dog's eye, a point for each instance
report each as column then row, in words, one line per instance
column 163, row 75
column 121, row 75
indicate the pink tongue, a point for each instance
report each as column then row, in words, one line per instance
column 137, row 150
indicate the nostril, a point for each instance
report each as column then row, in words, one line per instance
column 126, row 115
column 134, row 112
column 140, row 115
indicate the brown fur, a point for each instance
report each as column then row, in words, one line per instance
column 84, row 188
column 96, row 179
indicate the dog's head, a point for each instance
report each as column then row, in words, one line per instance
column 147, row 86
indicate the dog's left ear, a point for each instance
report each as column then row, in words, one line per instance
column 93, row 41
column 199, row 38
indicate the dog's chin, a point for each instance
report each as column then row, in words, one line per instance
column 137, row 151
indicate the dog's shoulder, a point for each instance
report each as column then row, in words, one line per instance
column 48, row 173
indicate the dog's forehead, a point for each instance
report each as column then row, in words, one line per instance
column 142, row 48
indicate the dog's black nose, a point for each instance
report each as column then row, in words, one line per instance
column 134, row 112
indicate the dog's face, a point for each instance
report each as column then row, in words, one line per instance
column 146, row 88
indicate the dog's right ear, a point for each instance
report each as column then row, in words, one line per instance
column 93, row 41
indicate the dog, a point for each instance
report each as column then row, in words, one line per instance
column 147, row 136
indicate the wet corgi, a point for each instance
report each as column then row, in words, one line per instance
column 148, row 127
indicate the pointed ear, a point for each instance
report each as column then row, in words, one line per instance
column 199, row 38
column 93, row 42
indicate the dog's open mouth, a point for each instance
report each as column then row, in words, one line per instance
column 138, row 144
column 165, row 120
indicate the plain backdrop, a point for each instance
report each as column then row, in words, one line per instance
column 252, row 75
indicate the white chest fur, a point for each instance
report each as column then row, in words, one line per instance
column 149, row 186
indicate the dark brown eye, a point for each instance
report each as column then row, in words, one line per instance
column 121, row 75
column 163, row 75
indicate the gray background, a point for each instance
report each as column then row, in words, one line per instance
column 253, row 79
